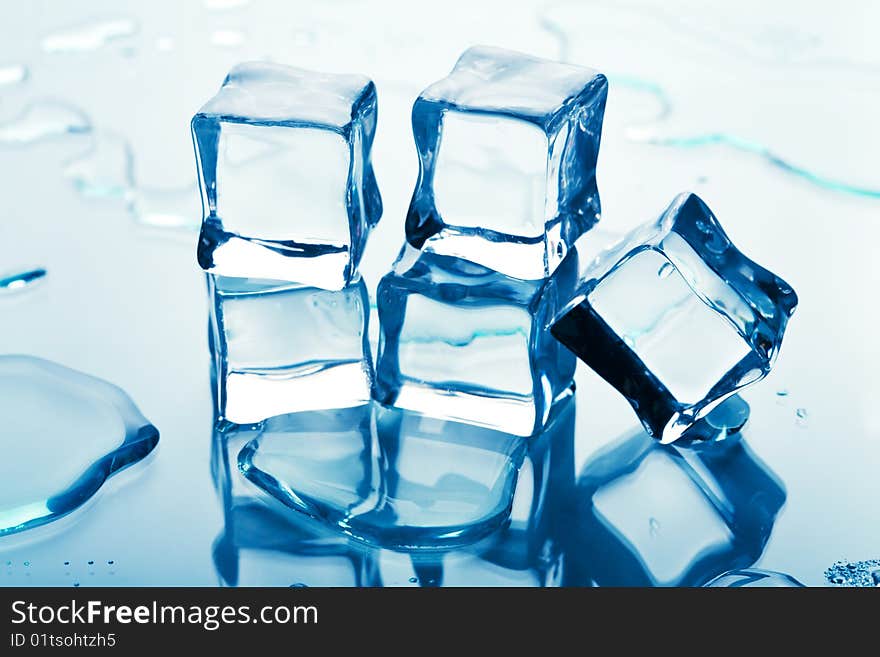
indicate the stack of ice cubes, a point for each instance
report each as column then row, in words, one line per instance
column 507, row 146
column 289, row 198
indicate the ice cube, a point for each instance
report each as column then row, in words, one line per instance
column 459, row 341
column 647, row 514
column 288, row 190
column 507, row 146
column 676, row 318
column 280, row 348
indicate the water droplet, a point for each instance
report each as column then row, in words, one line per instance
column 653, row 526
column 106, row 170
column 413, row 580
column 76, row 583
column 93, row 423
column 12, row 74
column 665, row 270
column 875, row 577
column 110, row 563
column 43, row 121
column 66, row 563
column 178, row 208
column 91, row 563
column 299, row 585
column 19, row 280
column 227, row 38
column 782, row 393
column 89, row 37
column 801, row 417
column 27, row 564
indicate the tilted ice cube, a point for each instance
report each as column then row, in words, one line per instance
column 647, row 514
column 676, row 318
column 461, row 342
column 507, row 146
column 288, row 189
column 286, row 348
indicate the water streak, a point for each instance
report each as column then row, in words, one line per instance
column 89, row 37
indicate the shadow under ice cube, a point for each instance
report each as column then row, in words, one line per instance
column 461, row 342
column 285, row 348
column 288, row 189
column 676, row 318
column 507, row 146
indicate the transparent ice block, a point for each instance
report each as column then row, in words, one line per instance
column 288, row 189
column 280, row 348
column 459, row 341
column 507, row 146
column 262, row 543
column 676, row 318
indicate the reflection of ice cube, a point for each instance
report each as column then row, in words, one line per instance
column 402, row 481
column 650, row 514
column 508, row 146
column 285, row 348
column 754, row 578
column 676, row 318
column 399, row 480
column 287, row 184
column 263, row 544
column 461, row 342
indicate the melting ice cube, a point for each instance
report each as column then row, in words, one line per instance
column 288, row 189
column 508, row 146
column 676, row 318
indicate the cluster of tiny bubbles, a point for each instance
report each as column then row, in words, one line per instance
column 855, row 574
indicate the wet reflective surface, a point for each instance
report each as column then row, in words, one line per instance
column 124, row 299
